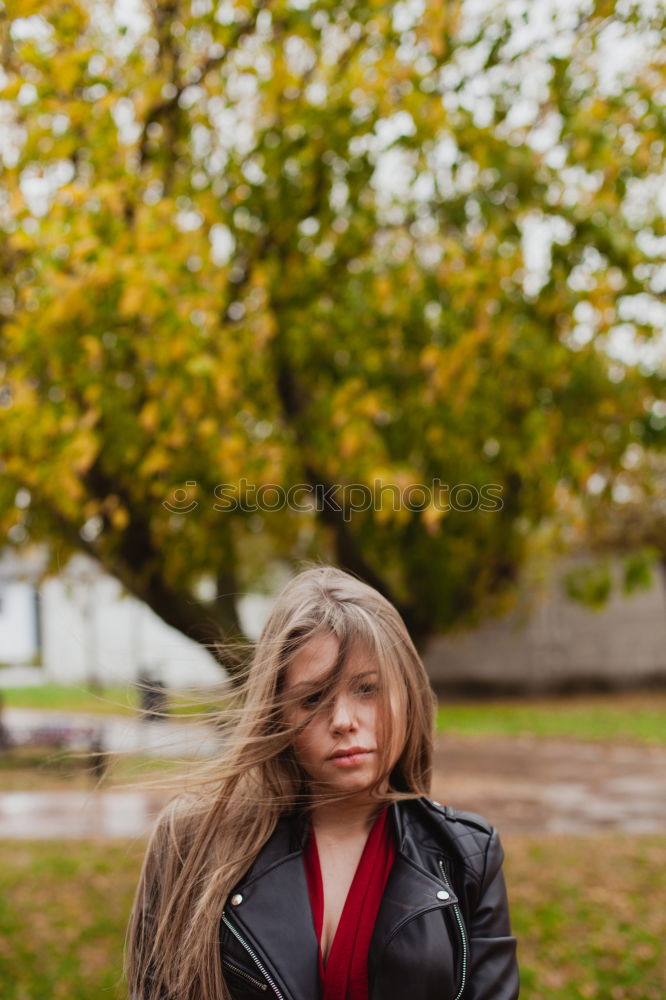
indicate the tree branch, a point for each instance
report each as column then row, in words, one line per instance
column 166, row 108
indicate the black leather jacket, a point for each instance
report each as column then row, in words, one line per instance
column 442, row 931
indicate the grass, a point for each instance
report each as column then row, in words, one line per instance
column 586, row 912
column 630, row 718
column 621, row 717
column 588, row 917
column 120, row 699
column 112, row 700
column 63, row 909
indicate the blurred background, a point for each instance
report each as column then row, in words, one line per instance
column 374, row 284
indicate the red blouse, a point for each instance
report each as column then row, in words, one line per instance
column 345, row 975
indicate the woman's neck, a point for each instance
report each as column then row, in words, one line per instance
column 340, row 820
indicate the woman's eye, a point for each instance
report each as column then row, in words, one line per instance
column 311, row 699
column 368, row 689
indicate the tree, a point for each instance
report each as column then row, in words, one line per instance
column 346, row 245
column 623, row 514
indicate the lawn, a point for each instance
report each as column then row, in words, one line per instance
column 586, row 912
column 113, row 700
column 588, row 915
column 120, row 699
column 622, row 717
column 63, row 907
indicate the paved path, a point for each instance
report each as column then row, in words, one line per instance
column 119, row 733
column 75, row 815
column 522, row 785
column 105, row 812
column 528, row 785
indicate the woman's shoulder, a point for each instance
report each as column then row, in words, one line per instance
column 459, row 818
column 470, row 837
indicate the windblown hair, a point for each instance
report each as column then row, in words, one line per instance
column 207, row 839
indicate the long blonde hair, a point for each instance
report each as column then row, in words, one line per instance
column 206, row 839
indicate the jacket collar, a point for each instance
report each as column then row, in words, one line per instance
column 275, row 915
column 410, row 820
column 418, row 838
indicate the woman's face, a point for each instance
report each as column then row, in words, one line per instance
column 349, row 722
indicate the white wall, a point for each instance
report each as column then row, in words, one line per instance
column 92, row 631
column 17, row 621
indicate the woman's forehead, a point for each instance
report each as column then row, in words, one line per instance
column 317, row 656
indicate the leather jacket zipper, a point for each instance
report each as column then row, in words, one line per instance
column 244, row 975
column 253, row 955
column 461, row 930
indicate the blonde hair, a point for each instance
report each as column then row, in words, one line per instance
column 206, row 840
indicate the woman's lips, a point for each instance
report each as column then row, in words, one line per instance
column 351, row 758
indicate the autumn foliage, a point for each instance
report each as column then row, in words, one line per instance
column 323, row 243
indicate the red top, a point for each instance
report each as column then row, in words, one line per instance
column 345, row 976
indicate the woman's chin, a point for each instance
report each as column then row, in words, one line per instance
column 351, row 784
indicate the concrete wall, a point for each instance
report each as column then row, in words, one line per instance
column 560, row 645
column 93, row 630
column 17, row 622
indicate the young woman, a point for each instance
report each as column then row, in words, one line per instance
column 311, row 864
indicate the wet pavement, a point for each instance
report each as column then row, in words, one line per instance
column 116, row 733
column 77, row 815
column 102, row 812
column 523, row 784
column 529, row 785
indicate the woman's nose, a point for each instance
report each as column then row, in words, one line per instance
column 342, row 715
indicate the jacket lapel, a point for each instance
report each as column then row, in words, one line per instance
column 411, row 889
column 275, row 916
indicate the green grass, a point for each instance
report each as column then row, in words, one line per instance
column 115, row 699
column 63, row 909
column 120, row 699
column 588, row 916
column 614, row 717
column 586, row 911
column 621, row 717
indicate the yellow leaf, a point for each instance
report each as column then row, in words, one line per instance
column 119, row 518
column 132, row 300
column 432, row 516
column 150, row 416
column 92, row 347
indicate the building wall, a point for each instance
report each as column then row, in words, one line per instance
column 18, row 636
column 93, row 631
column 560, row 645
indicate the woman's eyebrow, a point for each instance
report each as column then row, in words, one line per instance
column 303, row 686
column 365, row 673
column 306, row 685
